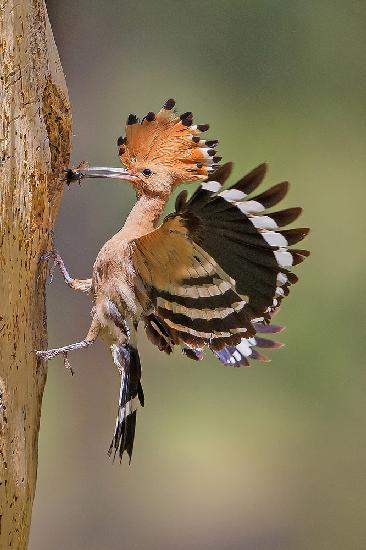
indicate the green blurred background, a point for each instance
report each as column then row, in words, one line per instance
column 267, row 458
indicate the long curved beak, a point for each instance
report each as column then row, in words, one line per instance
column 99, row 172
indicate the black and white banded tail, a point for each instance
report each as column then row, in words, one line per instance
column 127, row 360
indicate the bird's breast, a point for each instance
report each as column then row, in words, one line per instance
column 114, row 282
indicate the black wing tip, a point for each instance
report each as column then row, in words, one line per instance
column 293, row 236
column 259, row 170
column 252, row 180
column 299, row 255
column 222, row 173
column 181, row 201
column 273, row 195
column 287, row 216
column 195, row 354
column 262, row 167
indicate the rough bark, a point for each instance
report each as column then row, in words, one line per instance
column 35, row 136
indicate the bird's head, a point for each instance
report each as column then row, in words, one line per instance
column 163, row 150
column 159, row 152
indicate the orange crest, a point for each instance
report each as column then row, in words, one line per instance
column 169, row 140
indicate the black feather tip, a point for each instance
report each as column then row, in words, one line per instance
column 132, row 119
column 169, row 104
column 150, row 116
column 203, row 127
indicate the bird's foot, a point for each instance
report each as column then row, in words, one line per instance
column 49, row 354
column 57, row 261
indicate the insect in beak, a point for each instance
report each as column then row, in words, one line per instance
column 98, row 172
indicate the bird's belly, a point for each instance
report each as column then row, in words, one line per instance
column 116, row 304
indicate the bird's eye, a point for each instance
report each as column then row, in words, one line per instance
column 147, row 172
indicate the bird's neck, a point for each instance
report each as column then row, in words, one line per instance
column 143, row 217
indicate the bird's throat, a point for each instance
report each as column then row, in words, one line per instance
column 144, row 216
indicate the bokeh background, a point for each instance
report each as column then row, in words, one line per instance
column 267, row 458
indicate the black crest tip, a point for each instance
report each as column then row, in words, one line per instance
column 169, row 104
column 185, row 115
column 187, row 121
column 203, row 127
column 212, row 142
column 132, row 119
column 186, row 118
column 150, row 116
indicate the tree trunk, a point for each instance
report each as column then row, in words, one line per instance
column 35, row 137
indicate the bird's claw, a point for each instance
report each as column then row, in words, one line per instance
column 52, row 255
column 67, row 364
column 48, row 255
column 42, row 354
column 46, row 355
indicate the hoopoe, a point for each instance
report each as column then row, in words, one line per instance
column 211, row 276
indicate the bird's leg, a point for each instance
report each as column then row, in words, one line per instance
column 77, row 284
column 51, row 353
column 88, row 341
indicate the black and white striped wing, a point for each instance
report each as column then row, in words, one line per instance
column 248, row 348
column 249, row 242
column 220, row 264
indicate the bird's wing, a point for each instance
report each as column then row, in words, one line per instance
column 219, row 264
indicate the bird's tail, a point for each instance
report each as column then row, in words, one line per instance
column 127, row 360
